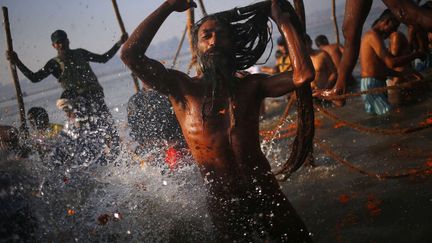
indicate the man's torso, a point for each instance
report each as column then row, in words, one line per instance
column 322, row 73
column 223, row 133
column 74, row 72
column 371, row 64
column 334, row 52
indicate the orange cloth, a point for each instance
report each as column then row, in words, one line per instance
column 171, row 157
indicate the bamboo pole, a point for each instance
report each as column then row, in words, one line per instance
column 335, row 22
column 189, row 25
column 179, row 48
column 123, row 31
column 203, row 10
column 23, row 126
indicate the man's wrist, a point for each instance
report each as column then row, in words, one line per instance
column 168, row 6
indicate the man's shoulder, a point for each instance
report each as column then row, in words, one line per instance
column 249, row 78
column 320, row 54
column 79, row 51
column 371, row 38
column 174, row 74
column 334, row 47
column 370, row 35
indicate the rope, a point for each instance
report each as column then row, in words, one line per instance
column 373, row 90
column 380, row 131
column 269, row 133
column 381, row 176
column 283, row 118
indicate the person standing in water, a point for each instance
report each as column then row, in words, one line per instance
column 72, row 69
column 218, row 112
column 377, row 63
column 325, row 70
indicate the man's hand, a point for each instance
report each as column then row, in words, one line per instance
column 412, row 75
column 328, row 93
column 276, row 11
column 181, row 5
column 12, row 57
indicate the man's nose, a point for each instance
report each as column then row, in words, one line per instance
column 213, row 41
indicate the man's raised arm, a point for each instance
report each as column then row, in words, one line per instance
column 384, row 54
column 33, row 77
column 133, row 55
column 303, row 70
column 109, row 54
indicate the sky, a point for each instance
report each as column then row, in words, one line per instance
column 92, row 25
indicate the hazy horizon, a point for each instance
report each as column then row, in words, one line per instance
column 92, row 25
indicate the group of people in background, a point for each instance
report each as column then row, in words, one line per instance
column 381, row 65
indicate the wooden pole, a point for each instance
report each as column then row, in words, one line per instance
column 203, row 10
column 23, row 126
column 190, row 23
column 179, row 48
column 335, row 22
column 123, row 31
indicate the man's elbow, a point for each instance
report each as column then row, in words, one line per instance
column 306, row 78
column 126, row 56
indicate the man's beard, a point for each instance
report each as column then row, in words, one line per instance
column 218, row 71
column 216, row 66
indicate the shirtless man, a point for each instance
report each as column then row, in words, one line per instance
column 334, row 50
column 377, row 63
column 355, row 15
column 398, row 46
column 325, row 71
column 218, row 112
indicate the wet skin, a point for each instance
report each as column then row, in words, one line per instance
column 399, row 46
column 334, row 50
column 375, row 59
column 355, row 15
column 228, row 153
column 325, row 71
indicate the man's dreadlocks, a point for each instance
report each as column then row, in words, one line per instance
column 249, row 30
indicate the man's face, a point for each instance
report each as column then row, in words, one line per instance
column 61, row 45
column 213, row 39
column 215, row 49
column 390, row 26
column 282, row 50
